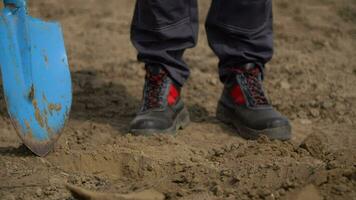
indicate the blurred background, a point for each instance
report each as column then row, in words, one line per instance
column 311, row 79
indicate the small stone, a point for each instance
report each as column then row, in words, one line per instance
column 234, row 146
column 65, row 174
column 180, row 194
column 341, row 188
column 213, row 81
column 327, row 104
column 235, row 180
column 340, row 112
column 313, row 103
column 217, row 190
column 263, row 139
column 150, row 168
column 39, row 192
column 281, row 192
column 79, row 134
column 285, row 85
column 315, row 112
column 252, row 193
column 263, row 192
column 56, row 181
column 47, row 192
column 226, row 173
column 194, row 160
column 305, row 121
column 288, row 184
column 218, row 152
column 320, row 178
column 276, row 195
column 262, row 166
column 270, row 197
column 228, row 191
column 347, row 120
column 302, row 115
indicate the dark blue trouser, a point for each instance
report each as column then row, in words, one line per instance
column 239, row 32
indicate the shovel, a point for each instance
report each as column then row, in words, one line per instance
column 36, row 77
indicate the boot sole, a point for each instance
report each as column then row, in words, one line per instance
column 279, row 133
column 182, row 121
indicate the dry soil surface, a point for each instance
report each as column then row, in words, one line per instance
column 311, row 80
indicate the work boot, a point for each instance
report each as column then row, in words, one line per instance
column 244, row 105
column 162, row 109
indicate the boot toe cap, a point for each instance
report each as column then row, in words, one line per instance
column 277, row 123
column 149, row 124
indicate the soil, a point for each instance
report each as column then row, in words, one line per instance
column 311, row 80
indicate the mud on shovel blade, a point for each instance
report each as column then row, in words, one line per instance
column 36, row 77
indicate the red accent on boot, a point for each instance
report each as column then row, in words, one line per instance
column 238, row 96
column 173, row 95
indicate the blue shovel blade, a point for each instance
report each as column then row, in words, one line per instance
column 36, row 79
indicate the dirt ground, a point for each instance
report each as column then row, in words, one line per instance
column 311, row 80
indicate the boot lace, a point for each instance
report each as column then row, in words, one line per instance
column 153, row 89
column 255, row 87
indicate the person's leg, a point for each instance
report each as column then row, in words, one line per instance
column 240, row 33
column 162, row 30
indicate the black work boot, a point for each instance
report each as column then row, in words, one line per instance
column 162, row 109
column 244, row 105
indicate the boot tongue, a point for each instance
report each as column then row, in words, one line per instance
column 252, row 76
column 254, row 83
column 154, row 87
column 252, row 69
column 249, row 66
column 154, row 70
